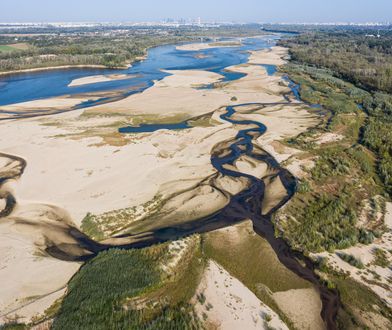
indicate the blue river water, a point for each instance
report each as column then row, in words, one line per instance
column 30, row 86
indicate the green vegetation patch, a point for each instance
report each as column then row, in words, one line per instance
column 362, row 60
column 236, row 248
column 323, row 214
column 350, row 259
column 13, row 326
column 107, row 224
column 98, row 294
column 381, row 258
column 5, row 48
column 358, row 300
column 234, row 256
column 327, row 222
column 321, row 79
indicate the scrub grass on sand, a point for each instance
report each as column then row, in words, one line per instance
column 250, row 259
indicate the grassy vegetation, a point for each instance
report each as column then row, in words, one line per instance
column 105, row 225
column 90, row 227
column 381, row 258
column 326, row 223
column 370, row 68
column 339, row 202
column 236, row 248
column 13, row 326
column 358, row 301
column 325, row 212
column 377, row 134
column 234, row 255
column 182, row 284
column 353, row 261
column 5, row 48
column 124, row 290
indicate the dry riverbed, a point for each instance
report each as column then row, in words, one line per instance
column 77, row 163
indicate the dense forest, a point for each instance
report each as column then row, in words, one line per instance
column 44, row 51
column 103, row 294
column 363, row 58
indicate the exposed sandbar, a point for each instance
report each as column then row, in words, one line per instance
column 98, row 79
column 203, row 46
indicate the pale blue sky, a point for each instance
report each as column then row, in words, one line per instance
column 221, row 10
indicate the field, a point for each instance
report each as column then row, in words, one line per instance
column 13, row 47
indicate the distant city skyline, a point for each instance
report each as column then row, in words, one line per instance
column 289, row 11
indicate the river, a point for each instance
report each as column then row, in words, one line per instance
column 245, row 205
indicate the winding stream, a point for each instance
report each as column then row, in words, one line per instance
column 245, row 205
column 248, row 205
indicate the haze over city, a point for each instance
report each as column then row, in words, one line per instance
column 358, row 11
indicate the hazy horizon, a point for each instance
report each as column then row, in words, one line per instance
column 356, row 11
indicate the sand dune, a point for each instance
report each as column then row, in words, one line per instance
column 233, row 305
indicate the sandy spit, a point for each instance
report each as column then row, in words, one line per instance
column 98, row 79
column 230, row 305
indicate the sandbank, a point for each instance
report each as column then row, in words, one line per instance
column 203, row 46
column 98, row 79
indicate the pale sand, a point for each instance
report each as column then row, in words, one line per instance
column 234, row 306
column 54, row 103
column 275, row 56
column 98, row 79
column 25, row 274
column 86, row 175
column 302, row 306
column 256, row 86
column 29, row 311
column 300, row 167
column 159, row 100
column 85, row 178
column 388, row 216
column 328, row 138
column 206, row 45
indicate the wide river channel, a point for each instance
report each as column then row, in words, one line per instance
column 245, row 205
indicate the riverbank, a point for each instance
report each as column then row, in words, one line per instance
column 62, row 67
